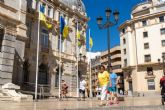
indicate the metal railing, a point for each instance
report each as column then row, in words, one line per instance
column 43, row 89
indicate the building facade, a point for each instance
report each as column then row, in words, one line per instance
column 142, row 44
column 73, row 12
column 12, row 39
column 95, row 65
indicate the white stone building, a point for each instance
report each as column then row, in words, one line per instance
column 142, row 44
column 73, row 11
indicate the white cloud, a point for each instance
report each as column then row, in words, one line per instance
column 92, row 55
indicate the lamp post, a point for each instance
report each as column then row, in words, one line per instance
column 163, row 63
column 107, row 26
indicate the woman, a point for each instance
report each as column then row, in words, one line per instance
column 103, row 78
column 64, row 89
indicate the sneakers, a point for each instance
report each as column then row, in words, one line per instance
column 111, row 103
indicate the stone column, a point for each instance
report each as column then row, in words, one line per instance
column 52, row 84
column 7, row 59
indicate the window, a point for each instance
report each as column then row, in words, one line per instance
column 163, row 54
column 125, row 62
column 162, row 31
column 125, row 51
column 149, row 71
column 161, row 19
column 163, row 43
column 1, row 1
column 50, row 12
column 147, row 58
column 144, row 23
column 44, row 39
column 1, row 37
column 123, row 31
column 146, row 45
column 145, row 34
column 62, row 45
column 151, row 84
column 124, row 41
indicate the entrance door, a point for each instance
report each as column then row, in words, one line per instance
column 43, row 74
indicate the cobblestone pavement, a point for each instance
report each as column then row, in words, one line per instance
column 90, row 104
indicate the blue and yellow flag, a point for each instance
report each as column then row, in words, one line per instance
column 62, row 24
column 43, row 18
column 78, row 35
column 64, row 29
column 65, row 32
column 91, row 42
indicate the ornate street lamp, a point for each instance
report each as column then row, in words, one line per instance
column 107, row 26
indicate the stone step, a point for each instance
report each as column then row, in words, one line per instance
column 6, row 98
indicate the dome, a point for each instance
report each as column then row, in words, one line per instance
column 74, row 4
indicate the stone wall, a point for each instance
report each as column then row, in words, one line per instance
column 7, row 59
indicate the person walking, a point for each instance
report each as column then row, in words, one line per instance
column 64, row 90
column 82, row 88
column 112, row 87
column 103, row 79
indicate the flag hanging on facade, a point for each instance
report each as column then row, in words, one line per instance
column 43, row 18
column 91, row 42
column 62, row 24
column 65, row 32
column 78, row 35
column 64, row 29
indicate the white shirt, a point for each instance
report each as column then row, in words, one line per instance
column 82, row 84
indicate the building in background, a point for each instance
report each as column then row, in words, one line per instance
column 95, row 65
column 142, row 44
column 94, row 59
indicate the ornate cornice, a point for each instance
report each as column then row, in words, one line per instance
column 8, row 7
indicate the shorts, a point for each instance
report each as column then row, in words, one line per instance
column 81, row 91
column 112, row 89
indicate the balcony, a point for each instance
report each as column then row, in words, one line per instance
column 116, row 56
column 104, row 60
column 64, row 56
column 116, row 63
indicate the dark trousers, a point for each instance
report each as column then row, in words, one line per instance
column 82, row 92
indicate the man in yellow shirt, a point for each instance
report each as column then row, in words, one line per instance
column 103, row 78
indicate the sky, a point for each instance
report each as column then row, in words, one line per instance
column 95, row 8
